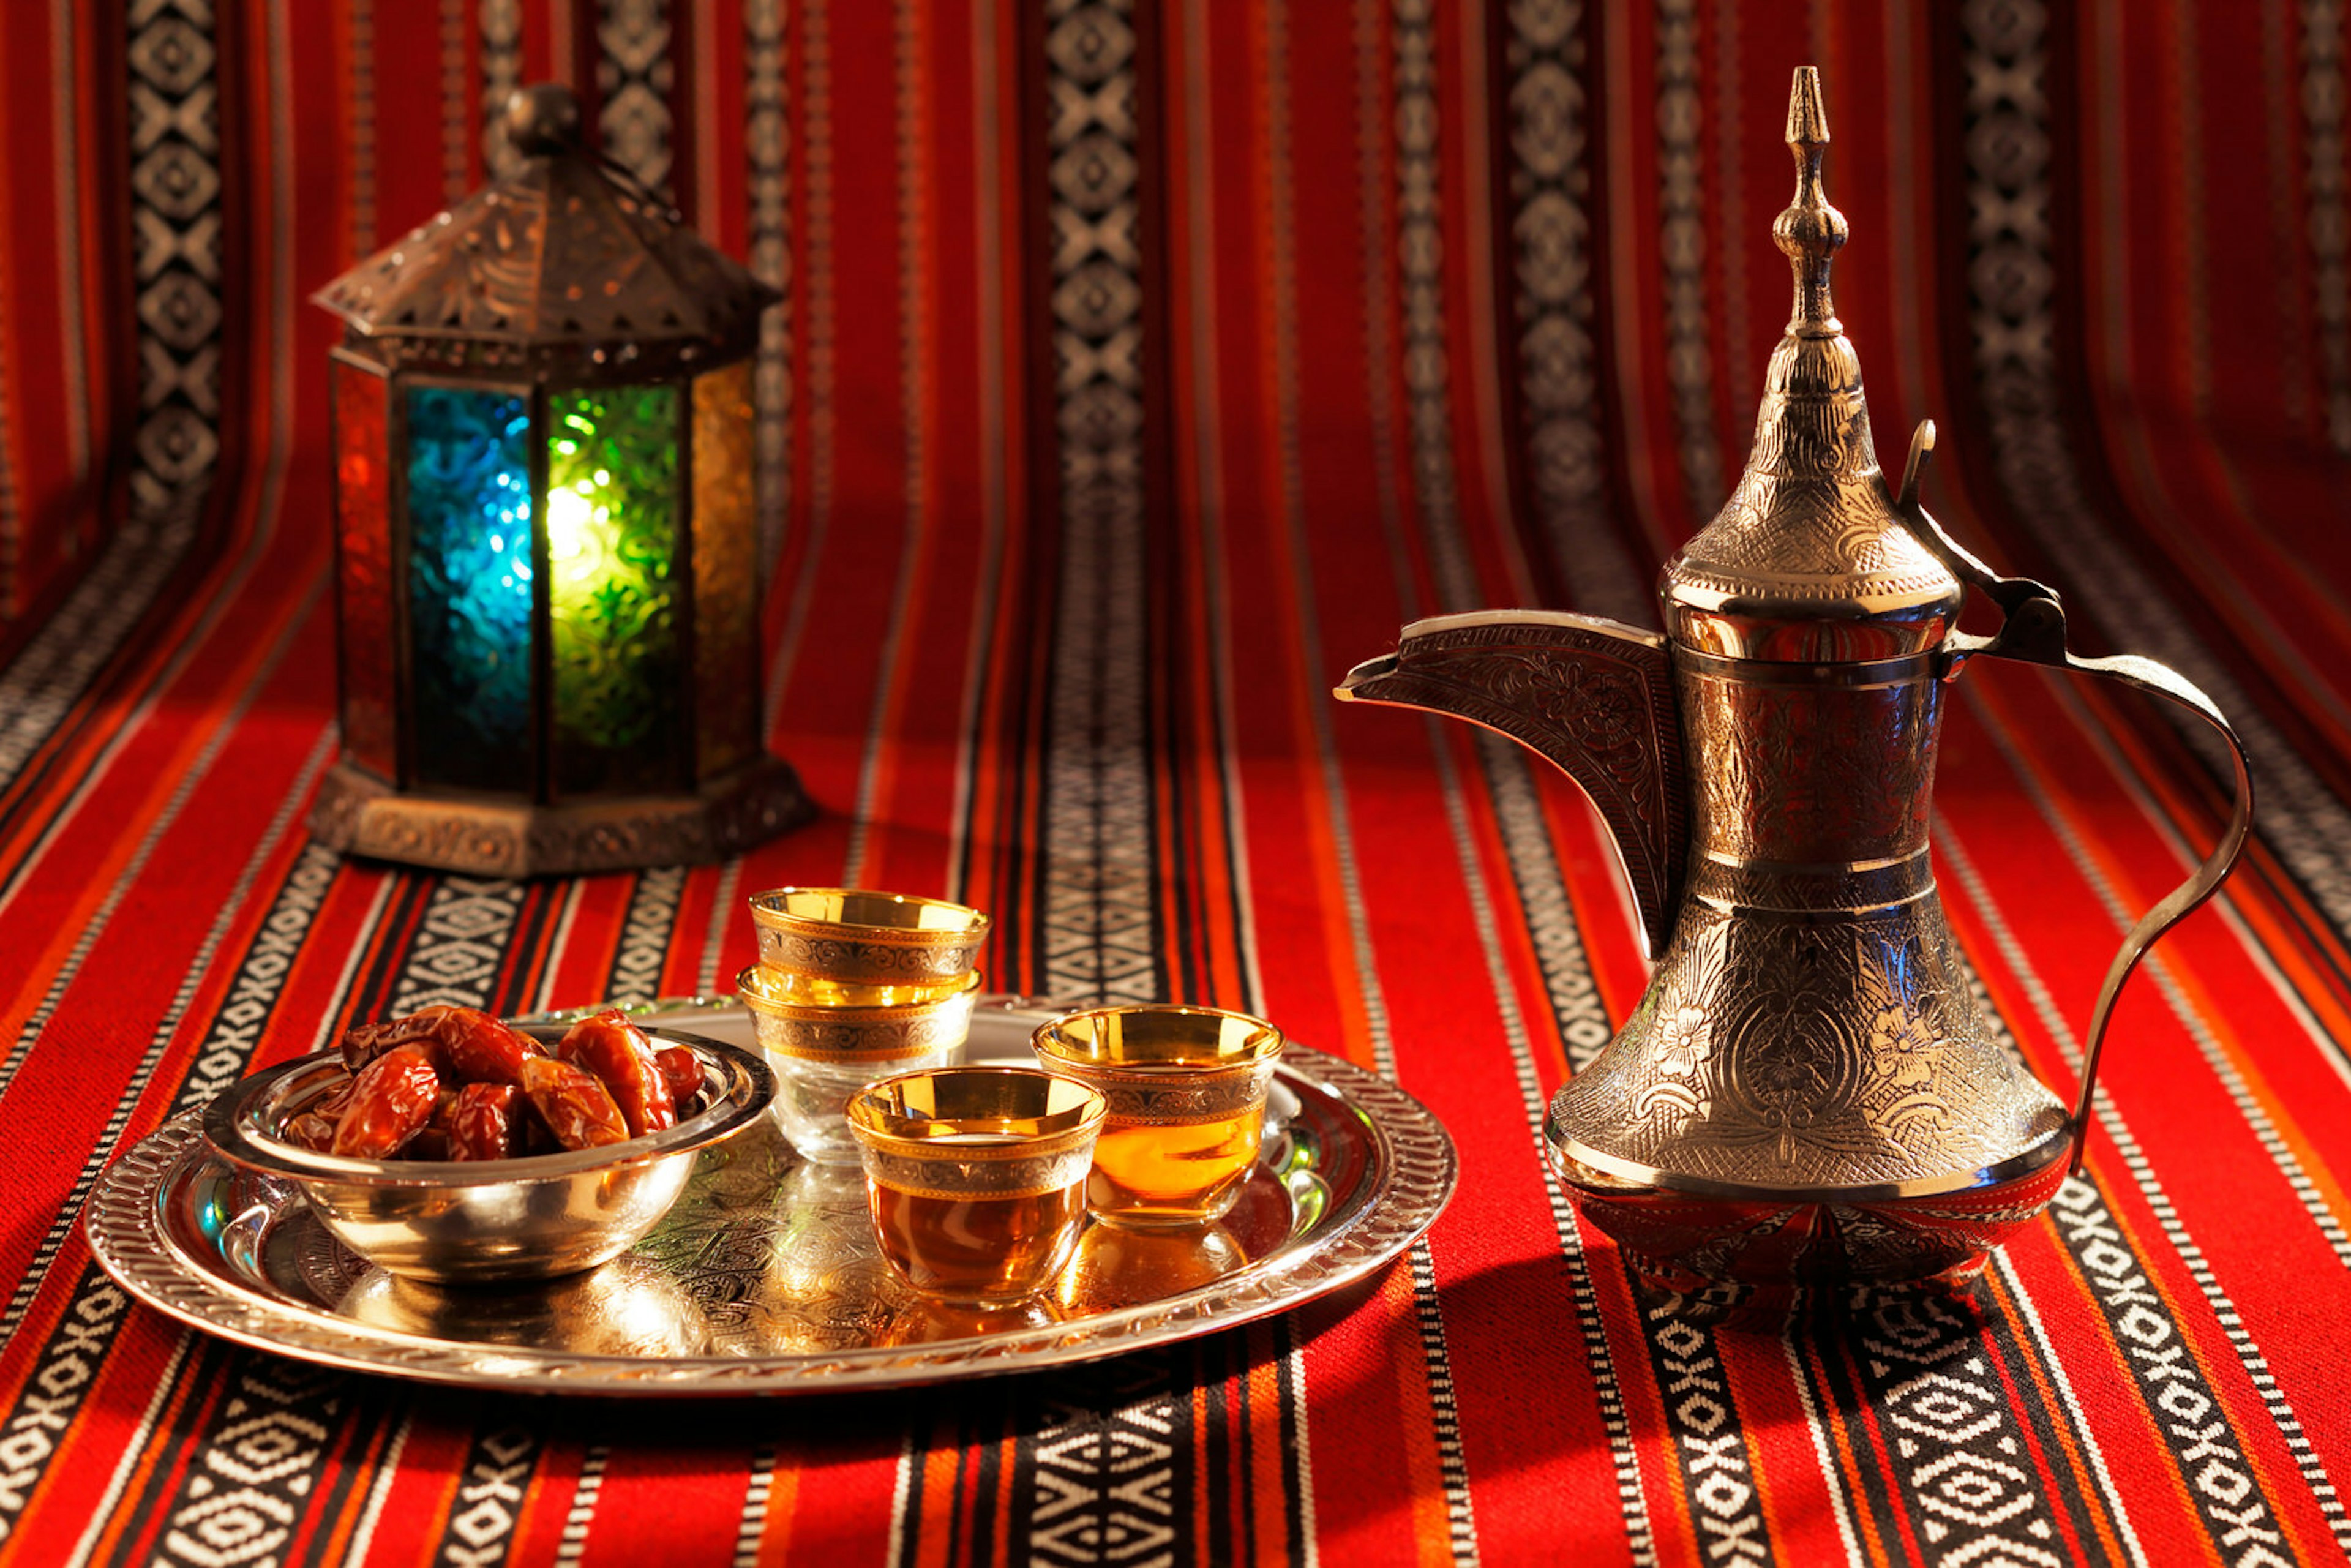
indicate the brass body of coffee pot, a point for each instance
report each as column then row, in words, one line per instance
column 1808, row 1093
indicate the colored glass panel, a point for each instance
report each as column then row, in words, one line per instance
column 613, row 588
column 363, row 565
column 725, row 574
column 469, row 586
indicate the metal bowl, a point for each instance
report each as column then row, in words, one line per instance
column 475, row 1222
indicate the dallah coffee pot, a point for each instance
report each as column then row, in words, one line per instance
column 1807, row 1093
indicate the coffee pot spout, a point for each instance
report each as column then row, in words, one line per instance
column 1592, row 696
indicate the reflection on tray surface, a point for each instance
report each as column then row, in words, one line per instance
column 768, row 1255
column 627, row 1307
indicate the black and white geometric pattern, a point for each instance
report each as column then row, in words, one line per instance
column 70, row 1362
column 2013, row 300
column 491, row 1484
column 501, row 25
column 1425, row 356
column 632, row 76
column 1558, row 372
column 68, row 1366
column 2327, row 219
column 461, row 949
column 767, row 145
column 2112, row 1268
column 175, row 236
column 2194, row 1424
column 1111, row 1453
column 1581, row 1020
column 1690, row 341
column 175, row 223
column 176, row 257
column 258, row 1461
column 645, row 934
column 1709, row 1441
column 1963, row 1474
column 1100, row 935
column 1420, row 267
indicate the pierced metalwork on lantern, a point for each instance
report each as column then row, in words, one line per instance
column 544, row 525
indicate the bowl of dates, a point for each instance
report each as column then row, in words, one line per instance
column 451, row 1146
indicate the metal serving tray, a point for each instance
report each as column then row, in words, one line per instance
column 765, row 1277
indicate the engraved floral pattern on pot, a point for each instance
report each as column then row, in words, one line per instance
column 1685, row 1046
column 1791, row 1059
column 1793, row 773
column 1594, row 698
column 1899, row 1038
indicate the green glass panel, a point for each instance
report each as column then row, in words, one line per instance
column 613, row 588
column 469, row 585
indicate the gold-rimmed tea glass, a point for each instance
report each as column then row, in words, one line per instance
column 827, row 1041
column 860, row 936
column 1187, row 1088
column 977, row 1177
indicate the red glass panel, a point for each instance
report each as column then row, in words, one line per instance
column 364, row 551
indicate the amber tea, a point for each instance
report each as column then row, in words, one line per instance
column 979, row 1249
column 977, row 1177
column 1178, row 1174
column 1186, row 1090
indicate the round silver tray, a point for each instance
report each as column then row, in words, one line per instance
column 765, row 1277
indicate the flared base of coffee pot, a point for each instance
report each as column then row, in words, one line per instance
column 1819, row 1246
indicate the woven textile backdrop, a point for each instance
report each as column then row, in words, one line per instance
column 1143, row 364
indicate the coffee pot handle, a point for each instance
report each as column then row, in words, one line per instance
column 2034, row 631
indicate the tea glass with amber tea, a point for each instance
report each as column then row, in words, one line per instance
column 1186, row 1092
column 977, row 1177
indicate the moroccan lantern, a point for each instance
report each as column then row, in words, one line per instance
column 546, row 566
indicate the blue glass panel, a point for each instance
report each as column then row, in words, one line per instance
column 469, row 586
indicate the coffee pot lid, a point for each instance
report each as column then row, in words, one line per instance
column 1811, row 533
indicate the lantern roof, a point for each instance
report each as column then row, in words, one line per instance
column 566, row 265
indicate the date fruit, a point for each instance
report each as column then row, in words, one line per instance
column 682, row 1069
column 465, row 1046
column 391, row 1101
column 576, row 1107
column 481, row 1121
column 620, row 1055
column 312, row 1132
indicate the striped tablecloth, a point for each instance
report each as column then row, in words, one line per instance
column 1145, row 363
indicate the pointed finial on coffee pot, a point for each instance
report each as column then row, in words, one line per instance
column 1809, row 231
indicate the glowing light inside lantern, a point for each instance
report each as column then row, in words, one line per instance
column 613, row 588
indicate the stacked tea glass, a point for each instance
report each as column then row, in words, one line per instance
column 852, row 985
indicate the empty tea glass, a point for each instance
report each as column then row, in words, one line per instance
column 1187, row 1088
column 977, row 1177
column 826, row 1041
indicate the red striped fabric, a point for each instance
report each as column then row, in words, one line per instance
column 1142, row 364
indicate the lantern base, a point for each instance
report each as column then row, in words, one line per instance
column 361, row 815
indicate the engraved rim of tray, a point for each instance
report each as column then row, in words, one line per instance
column 1412, row 1172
